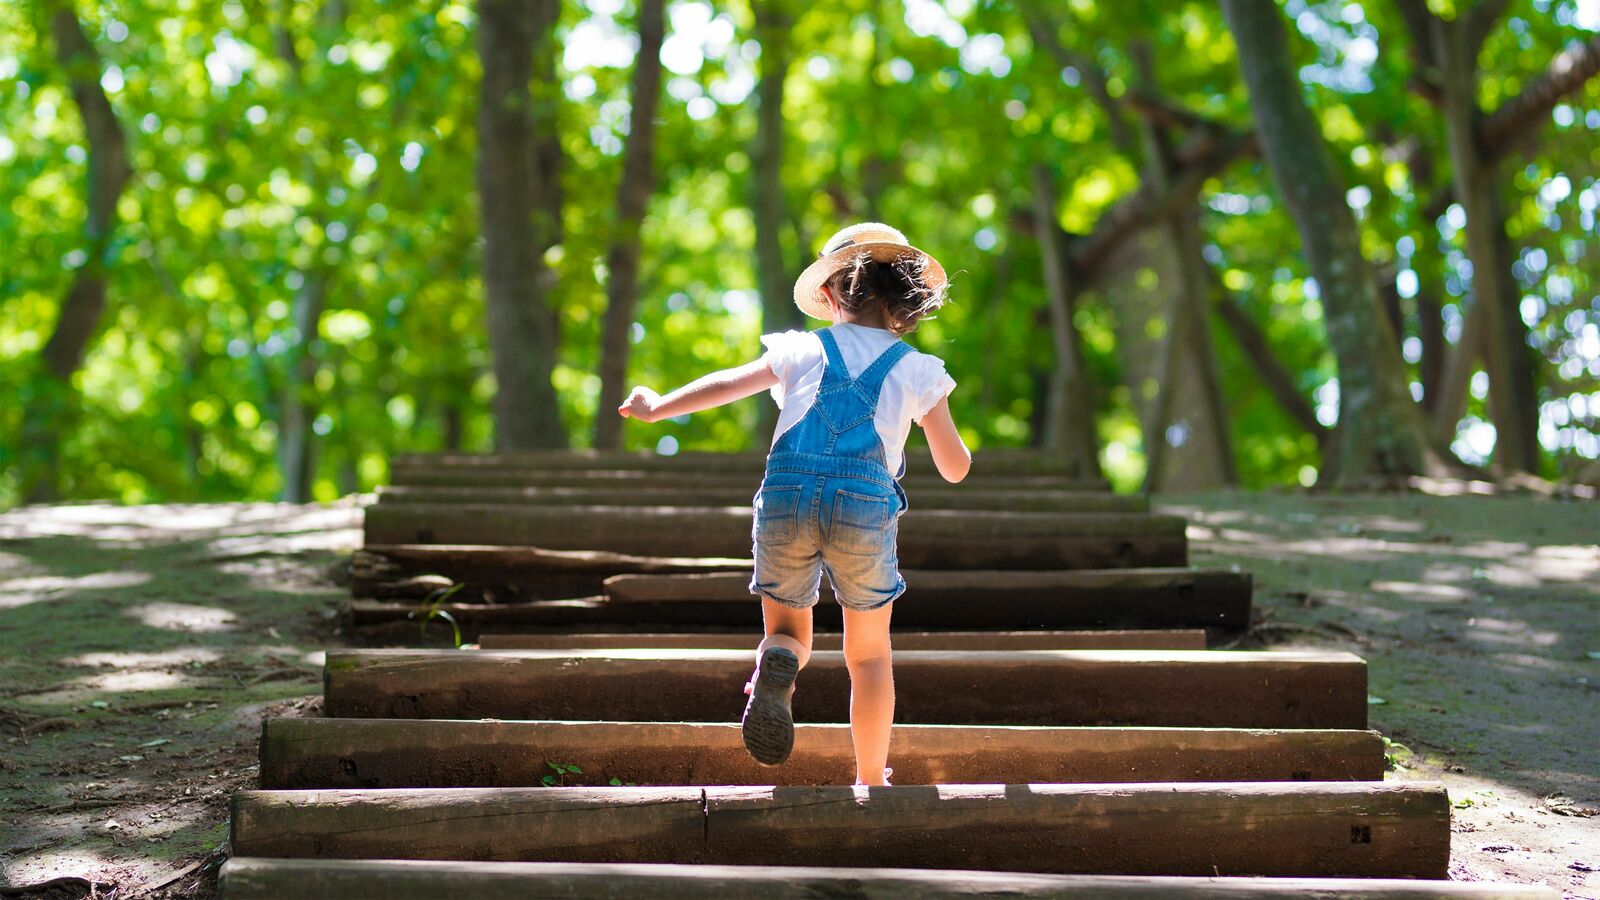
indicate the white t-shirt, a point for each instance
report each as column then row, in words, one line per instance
column 914, row 385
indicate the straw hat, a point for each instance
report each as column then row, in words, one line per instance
column 885, row 244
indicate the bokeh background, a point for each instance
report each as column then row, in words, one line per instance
column 274, row 279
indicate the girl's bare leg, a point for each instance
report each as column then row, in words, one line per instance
column 866, row 653
column 788, row 628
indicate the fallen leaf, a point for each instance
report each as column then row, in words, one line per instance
column 1374, row 700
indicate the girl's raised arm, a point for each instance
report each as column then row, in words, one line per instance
column 705, row 392
column 950, row 454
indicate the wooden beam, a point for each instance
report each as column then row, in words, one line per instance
column 408, row 753
column 254, row 878
column 488, row 476
column 1175, row 639
column 740, row 494
column 1017, row 461
column 1317, row 829
column 974, row 599
column 930, row 539
column 1025, row 687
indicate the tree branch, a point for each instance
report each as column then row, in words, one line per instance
column 1196, row 160
column 1567, row 72
column 1044, row 37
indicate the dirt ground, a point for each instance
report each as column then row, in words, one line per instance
column 141, row 646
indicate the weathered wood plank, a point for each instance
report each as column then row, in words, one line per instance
column 509, row 574
column 512, row 477
column 1283, row 689
column 740, row 494
column 409, row 753
column 1175, row 597
column 1175, row 639
column 1017, row 461
column 1305, row 829
column 928, row 539
column 272, row 879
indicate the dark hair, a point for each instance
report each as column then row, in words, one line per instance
column 896, row 284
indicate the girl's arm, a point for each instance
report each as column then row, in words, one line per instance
column 950, row 454
column 715, row 389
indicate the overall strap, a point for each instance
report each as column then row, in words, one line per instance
column 870, row 382
column 834, row 372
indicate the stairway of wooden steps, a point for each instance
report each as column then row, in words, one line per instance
column 254, row 878
column 1038, row 758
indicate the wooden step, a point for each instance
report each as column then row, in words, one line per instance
column 928, row 539
column 1185, row 639
column 1175, row 597
column 746, row 477
column 1197, row 688
column 1017, row 461
column 1105, row 598
column 255, row 878
column 740, row 494
column 396, row 753
column 509, row 574
column 1273, row 829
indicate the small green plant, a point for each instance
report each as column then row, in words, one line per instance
column 434, row 610
column 560, row 772
column 618, row 782
column 1396, row 755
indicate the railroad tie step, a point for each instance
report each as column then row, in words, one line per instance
column 1172, row 688
column 739, row 493
column 1265, row 829
column 255, row 878
column 928, row 539
column 1175, row 639
column 405, row 753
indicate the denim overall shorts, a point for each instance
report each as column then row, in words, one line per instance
column 828, row 502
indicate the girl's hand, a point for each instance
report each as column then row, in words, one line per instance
column 641, row 405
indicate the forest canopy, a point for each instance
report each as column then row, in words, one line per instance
column 251, row 249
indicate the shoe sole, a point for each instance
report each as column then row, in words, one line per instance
column 768, row 725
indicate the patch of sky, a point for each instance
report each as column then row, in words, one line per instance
column 929, row 18
column 1347, row 44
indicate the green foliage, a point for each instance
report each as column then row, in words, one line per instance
column 281, row 149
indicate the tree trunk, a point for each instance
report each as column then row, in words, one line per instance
column 515, row 182
column 294, row 420
column 1380, row 431
column 773, row 21
column 1069, row 426
column 1513, row 404
column 84, row 303
column 1275, row 377
column 1187, row 348
column 622, row 262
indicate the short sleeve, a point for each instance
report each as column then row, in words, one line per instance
column 784, row 350
column 933, row 384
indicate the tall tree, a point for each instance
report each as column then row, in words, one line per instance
column 622, row 261
column 774, row 21
column 1069, row 425
column 296, row 410
column 1447, row 52
column 84, row 304
column 517, row 178
column 1380, row 431
column 1188, row 350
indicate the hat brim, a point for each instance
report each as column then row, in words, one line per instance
column 808, row 287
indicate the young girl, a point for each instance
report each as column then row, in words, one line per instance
column 831, row 500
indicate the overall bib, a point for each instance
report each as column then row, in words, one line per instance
column 828, row 502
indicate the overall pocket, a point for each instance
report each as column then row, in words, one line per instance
column 777, row 515
column 862, row 524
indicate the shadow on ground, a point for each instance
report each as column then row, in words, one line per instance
column 1480, row 619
